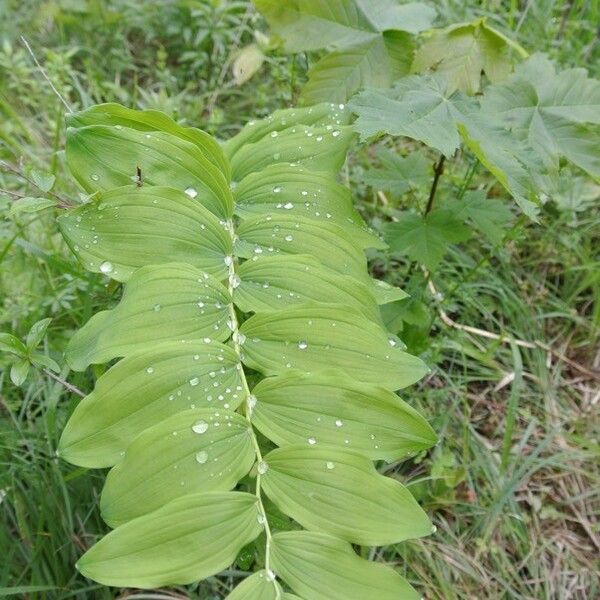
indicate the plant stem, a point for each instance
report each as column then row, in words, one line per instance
column 65, row 384
column 248, row 414
column 438, row 169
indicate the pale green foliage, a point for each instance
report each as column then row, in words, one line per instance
column 558, row 114
column 425, row 238
column 399, row 174
column 24, row 355
column 463, row 51
column 247, row 307
column 371, row 41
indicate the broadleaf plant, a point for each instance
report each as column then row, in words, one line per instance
column 248, row 321
column 370, row 43
column 463, row 51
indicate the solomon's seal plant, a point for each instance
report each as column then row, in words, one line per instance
column 255, row 376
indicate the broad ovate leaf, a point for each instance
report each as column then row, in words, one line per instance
column 317, row 338
column 102, row 157
column 282, row 234
column 190, row 538
column 131, row 227
column 198, row 450
column 321, row 567
column 160, row 303
column 334, row 411
column 276, row 282
column 338, row 491
column 112, row 114
column 260, row 586
column 147, row 388
column 295, row 191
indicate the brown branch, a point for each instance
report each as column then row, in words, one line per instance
column 65, row 384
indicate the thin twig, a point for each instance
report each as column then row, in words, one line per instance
column 62, row 202
column 65, row 384
column 503, row 339
column 44, row 74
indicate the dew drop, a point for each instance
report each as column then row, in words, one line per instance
column 312, row 441
column 150, row 370
column 276, row 189
column 288, row 205
column 200, row 427
column 201, row 457
column 274, row 134
column 106, row 267
column 338, row 422
column 262, row 468
column 95, row 177
column 194, row 381
column 289, row 237
column 302, row 345
column 191, row 192
column 156, row 307
column 329, row 465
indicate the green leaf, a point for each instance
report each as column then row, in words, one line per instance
column 103, row 157
column 247, row 63
column 30, row 205
column 319, row 149
column 36, row 333
column 325, row 114
column 425, row 239
column 199, row 450
column 160, row 303
column 316, row 338
column 311, row 25
column 514, row 165
column 148, row 121
column 169, row 227
column 338, row 491
column 42, row 360
column 399, row 174
column 19, row 371
column 44, row 181
column 259, row 586
column 557, row 114
column 418, row 107
column 9, row 343
column 321, row 567
column 283, row 234
column 375, row 63
column 421, row 108
column 127, row 399
column 462, row 52
column 489, row 215
column 188, row 539
column 276, row 282
column 334, row 411
column 295, row 191
column 370, row 41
